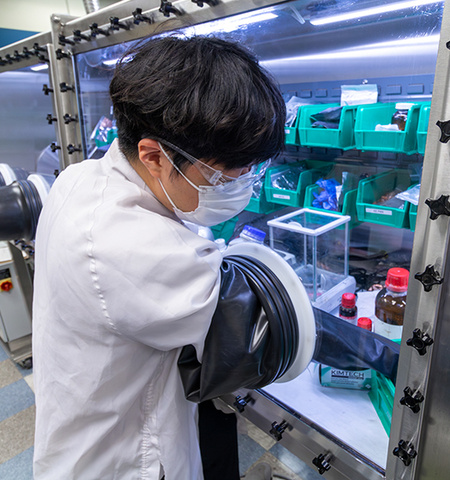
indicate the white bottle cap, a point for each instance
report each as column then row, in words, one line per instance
column 403, row 106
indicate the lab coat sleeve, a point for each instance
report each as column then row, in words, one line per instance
column 157, row 281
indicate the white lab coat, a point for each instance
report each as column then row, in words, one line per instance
column 120, row 286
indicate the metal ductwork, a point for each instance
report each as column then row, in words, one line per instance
column 91, row 6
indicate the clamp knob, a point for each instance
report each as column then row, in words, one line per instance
column 138, row 17
column 439, row 206
column 322, row 462
column 277, row 430
column 97, row 31
column 54, row 147
column 71, row 149
column 420, row 341
column 78, row 36
column 115, row 24
column 412, row 400
column 241, row 402
column 445, row 130
column 428, row 278
column 62, row 40
column 46, row 89
column 166, row 8
column 65, row 88
column 60, row 54
column 68, row 118
column 51, row 119
column 405, row 451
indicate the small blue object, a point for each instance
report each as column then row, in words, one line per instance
column 326, row 198
column 253, row 234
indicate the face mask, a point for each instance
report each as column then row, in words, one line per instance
column 216, row 204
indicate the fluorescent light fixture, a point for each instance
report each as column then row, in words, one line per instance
column 407, row 45
column 38, row 68
column 229, row 24
column 367, row 12
column 110, row 62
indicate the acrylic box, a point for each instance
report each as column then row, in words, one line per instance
column 316, row 246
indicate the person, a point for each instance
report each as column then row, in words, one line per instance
column 121, row 284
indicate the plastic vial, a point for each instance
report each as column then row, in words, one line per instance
column 401, row 114
column 390, row 304
column 348, row 309
column 365, row 323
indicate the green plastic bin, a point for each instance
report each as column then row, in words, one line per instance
column 348, row 207
column 373, row 188
column 261, row 204
column 382, row 398
column 225, row 230
column 294, row 198
column 422, row 126
column 291, row 133
column 342, row 137
column 401, row 141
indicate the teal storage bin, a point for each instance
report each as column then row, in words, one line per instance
column 422, row 127
column 261, row 204
column 372, row 189
column 349, row 199
column 401, row 141
column 348, row 207
column 312, row 171
column 342, row 137
column 412, row 217
column 382, row 398
column 225, row 230
column 291, row 133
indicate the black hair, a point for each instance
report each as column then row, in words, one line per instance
column 207, row 96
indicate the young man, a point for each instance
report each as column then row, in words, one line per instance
column 121, row 285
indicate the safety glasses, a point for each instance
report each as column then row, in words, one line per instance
column 217, row 177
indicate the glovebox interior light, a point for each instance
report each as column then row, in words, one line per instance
column 38, row 68
column 229, row 24
column 393, row 48
column 367, row 12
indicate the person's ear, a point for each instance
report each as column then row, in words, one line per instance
column 150, row 156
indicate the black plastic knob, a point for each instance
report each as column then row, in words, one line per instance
column 60, row 54
column 322, row 462
column 420, row 341
column 97, row 31
column 46, row 89
column 405, row 451
column 166, row 8
column 412, row 399
column 277, row 430
column 445, row 130
column 78, row 36
column 62, row 40
column 72, row 149
column 65, row 88
column 54, row 147
column 51, row 119
column 429, row 278
column 138, row 17
column 241, row 402
column 439, row 206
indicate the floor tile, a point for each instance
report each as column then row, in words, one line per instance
column 18, row 468
column 15, row 397
column 260, row 437
column 3, row 354
column 249, row 452
column 8, row 373
column 296, row 465
column 279, row 470
column 30, row 381
column 17, row 434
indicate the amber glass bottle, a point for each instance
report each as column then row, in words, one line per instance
column 390, row 304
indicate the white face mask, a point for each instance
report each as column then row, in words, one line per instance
column 216, row 204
